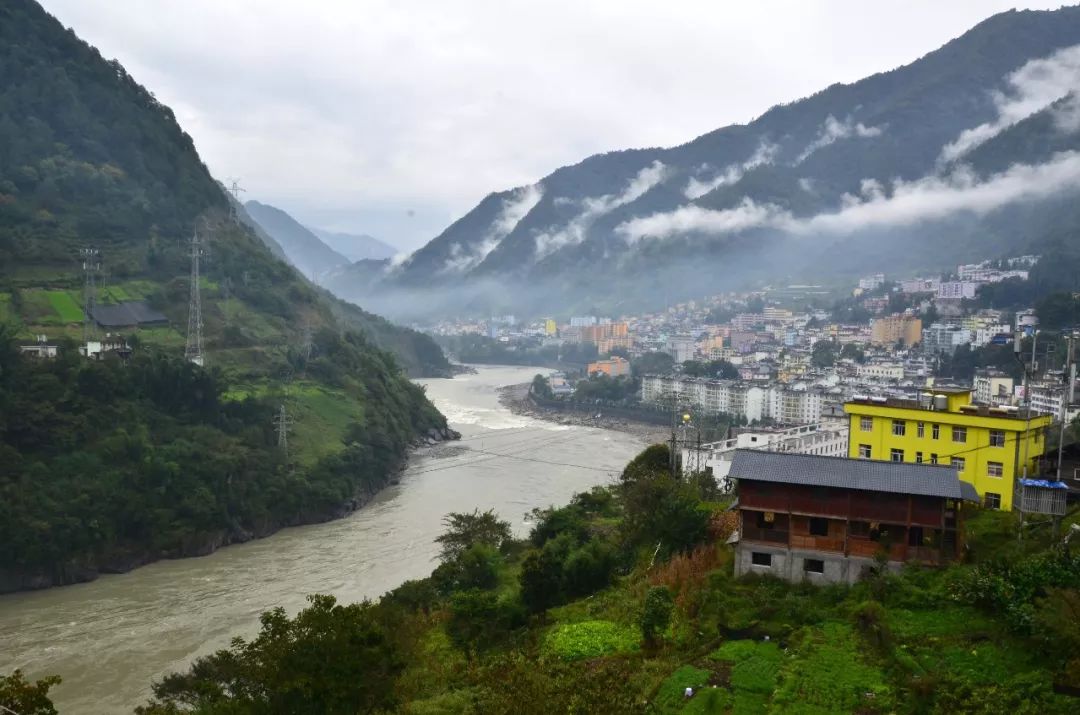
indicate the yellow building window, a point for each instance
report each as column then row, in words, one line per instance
column 959, row 434
column 935, row 431
column 866, row 424
column 957, row 463
column 864, row 451
column 993, row 501
column 997, row 438
column 897, row 455
column 899, row 428
column 995, row 469
column 920, row 429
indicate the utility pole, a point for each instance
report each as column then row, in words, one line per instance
column 91, row 264
column 234, row 211
column 1066, row 398
column 193, row 351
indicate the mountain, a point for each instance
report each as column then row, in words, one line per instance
column 302, row 247
column 356, row 246
column 108, row 464
column 967, row 152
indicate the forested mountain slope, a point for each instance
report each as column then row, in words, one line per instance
column 109, row 464
column 304, row 249
column 945, row 159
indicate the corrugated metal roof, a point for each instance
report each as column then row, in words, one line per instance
column 845, row 473
column 124, row 314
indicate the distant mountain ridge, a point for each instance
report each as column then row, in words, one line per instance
column 302, row 247
column 937, row 161
column 355, row 246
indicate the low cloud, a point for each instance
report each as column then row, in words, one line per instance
column 514, row 208
column 907, row 203
column 1033, row 87
column 833, row 130
column 764, row 154
column 576, row 230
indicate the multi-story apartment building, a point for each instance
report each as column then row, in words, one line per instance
column 957, row 290
column 681, row 347
column 782, row 403
column 990, row 447
column 880, row 371
column 920, row 285
column 993, row 387
column 615, row 367
column 893, row 329
column 942, row 338
column 821, row 438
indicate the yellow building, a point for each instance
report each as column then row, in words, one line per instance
column 550, row 328
column 989, row 446
column 893, row 329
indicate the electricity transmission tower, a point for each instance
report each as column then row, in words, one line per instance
column 234, row 211
column 193, row 351
column 91, row 264
column 306, row 346
column 282, row 425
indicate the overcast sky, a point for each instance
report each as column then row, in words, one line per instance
column 395, row 118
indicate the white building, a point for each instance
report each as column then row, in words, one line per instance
column 942, row 338
column 872, row 282
column 681, row 347
column 993, row 387
column 956, row 290
column 880, row 371
column 823, row 438
column 785, row 404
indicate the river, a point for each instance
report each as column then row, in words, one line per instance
column 110, row 638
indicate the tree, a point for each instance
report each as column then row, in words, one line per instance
column 480, row 619
column 824, row 353
column 328, row 659
column 541, row 387
column 656, row 615
column 652, row 364
column 851, row 351
column 465, row 530
column 19, row 695
column 755, row 305
column 541, row 574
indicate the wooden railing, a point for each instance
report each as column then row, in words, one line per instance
column 772, row 536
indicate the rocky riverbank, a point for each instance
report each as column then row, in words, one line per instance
column 516, row 399
column 127, row 557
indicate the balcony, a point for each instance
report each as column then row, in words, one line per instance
column 770, row 536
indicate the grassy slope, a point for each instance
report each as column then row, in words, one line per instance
column 817, row 658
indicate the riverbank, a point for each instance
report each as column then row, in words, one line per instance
column 125, row 558
column 516, row 399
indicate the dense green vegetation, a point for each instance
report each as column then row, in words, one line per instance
column 106, row 465
column 483, row 350
column 622, row 599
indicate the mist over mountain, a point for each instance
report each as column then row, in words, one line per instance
column 966, row 152
column 302, row 247
column 355, row 246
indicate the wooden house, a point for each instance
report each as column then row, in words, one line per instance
column 827, row 518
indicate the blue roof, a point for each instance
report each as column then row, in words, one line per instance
column 1043, row 483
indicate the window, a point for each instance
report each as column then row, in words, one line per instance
column 933, row 458
column 758, row 558
column 899, row 428
column 957, row 463
column 813, row 565
column 959, row 434
column 766, row 519
column 935, row 431
column 918, row 458
column 915, row 536
column 864, row 451
column 992, row 501
column 896, row 455
column 997, row 438
column 819, row 527
column 866, row 424
column 920, row 429
column 995, row 469
column 859, row 528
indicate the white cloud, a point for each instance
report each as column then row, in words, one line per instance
column 908, row 203
column 576, row 230
column 1066, row 114
column 395, row 118
column 693, row 219
column 832, row 130
column 514, row 208
column 764, row 154
column 1033, row 87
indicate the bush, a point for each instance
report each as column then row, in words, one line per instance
column 656, row 616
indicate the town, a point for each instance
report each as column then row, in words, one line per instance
column 916, row 370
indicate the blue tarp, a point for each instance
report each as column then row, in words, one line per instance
column 1043, row 483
